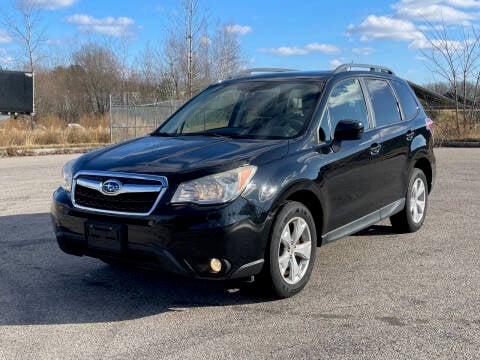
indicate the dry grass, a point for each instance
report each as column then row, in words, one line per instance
column 53, row 131
column 445, row 128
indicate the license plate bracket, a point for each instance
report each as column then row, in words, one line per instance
column 105, row 236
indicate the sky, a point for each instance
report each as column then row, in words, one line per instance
column 304, row 35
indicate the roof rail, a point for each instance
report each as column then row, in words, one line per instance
column 349, row 67
column 252, row 71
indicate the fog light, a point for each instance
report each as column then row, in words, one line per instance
column 215, row 265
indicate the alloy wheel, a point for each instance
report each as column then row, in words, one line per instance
column 294, row 250
column 417, row 200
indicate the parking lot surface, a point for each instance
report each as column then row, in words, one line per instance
column 373, row 295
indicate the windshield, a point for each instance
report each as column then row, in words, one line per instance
column 255, row 109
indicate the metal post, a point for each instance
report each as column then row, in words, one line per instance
column 127, row 128
column 111, row 123
column 135, row 121
column 33, row 102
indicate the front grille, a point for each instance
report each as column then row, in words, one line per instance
column 138, row 203
column 136, row 196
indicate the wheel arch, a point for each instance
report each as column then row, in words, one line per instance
column 424, row 165
column 302, row 193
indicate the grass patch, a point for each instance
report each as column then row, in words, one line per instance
column 52, row 131
column 445, row 129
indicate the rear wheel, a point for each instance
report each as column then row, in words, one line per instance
column 291, row 252
column 411, row 218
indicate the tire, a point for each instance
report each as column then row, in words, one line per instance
column 411, row 218
column 290, row 255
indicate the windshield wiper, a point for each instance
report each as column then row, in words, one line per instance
column 205, row 134
column 159, row 133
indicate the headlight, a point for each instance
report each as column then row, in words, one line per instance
column 215, row 189
column 67, row 173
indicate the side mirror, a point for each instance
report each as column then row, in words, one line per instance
column 348, row 130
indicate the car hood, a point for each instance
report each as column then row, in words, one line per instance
column 173, row 155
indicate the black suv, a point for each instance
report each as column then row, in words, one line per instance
column 254, row 173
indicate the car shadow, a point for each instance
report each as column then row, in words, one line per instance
column 374, row 230
column 42, row 285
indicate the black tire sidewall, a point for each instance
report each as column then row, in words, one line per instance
column 290, row 210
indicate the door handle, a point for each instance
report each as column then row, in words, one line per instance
column 375, row 149
column 410, row 134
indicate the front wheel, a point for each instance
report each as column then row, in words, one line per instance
column 291, row 252
column 411, row 218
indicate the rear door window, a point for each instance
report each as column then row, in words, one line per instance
column 385, row 106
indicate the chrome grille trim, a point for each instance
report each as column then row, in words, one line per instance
column 126, row 188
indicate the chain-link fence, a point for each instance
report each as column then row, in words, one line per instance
column 131, row 116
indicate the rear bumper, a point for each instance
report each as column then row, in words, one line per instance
column 179, row 239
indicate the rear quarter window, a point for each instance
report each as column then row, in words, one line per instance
column 408, row 101
column 383, row 101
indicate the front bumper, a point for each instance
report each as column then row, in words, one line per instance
column 176, row 239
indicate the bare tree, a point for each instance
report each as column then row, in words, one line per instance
column 174, row 57
column 194, row 56
column 25, row 25
column 98, row 73
column 458, row 63
column 194, row 22
column 226, row 53
column 150, row 74
column 121, row 49
column 182, row 48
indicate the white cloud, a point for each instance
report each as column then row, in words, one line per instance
column 420, row 44
column 53, row 4
column 364, row 51
column 106, row 26
column 454, row 3
column 285, row 51
column 322, row 48
column 385, row 27
column 440, row 43
column 335, row 63
column 430, row 27
column 307, row 49
column 464, row 3
column 205, row 40
column 412, row 18
column 432, row 13
column 54, row 42
column 4, row 37
column 238, row 29
column 4, row 58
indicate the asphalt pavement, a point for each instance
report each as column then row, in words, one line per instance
column 375, row 295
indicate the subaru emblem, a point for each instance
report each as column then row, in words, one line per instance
column 111, row 187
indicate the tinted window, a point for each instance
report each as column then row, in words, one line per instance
column 214, row 113
column 346, row 102
column 383, row 101
column 407, row 100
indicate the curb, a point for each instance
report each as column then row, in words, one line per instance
column 459, row 144
column 11, row 152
